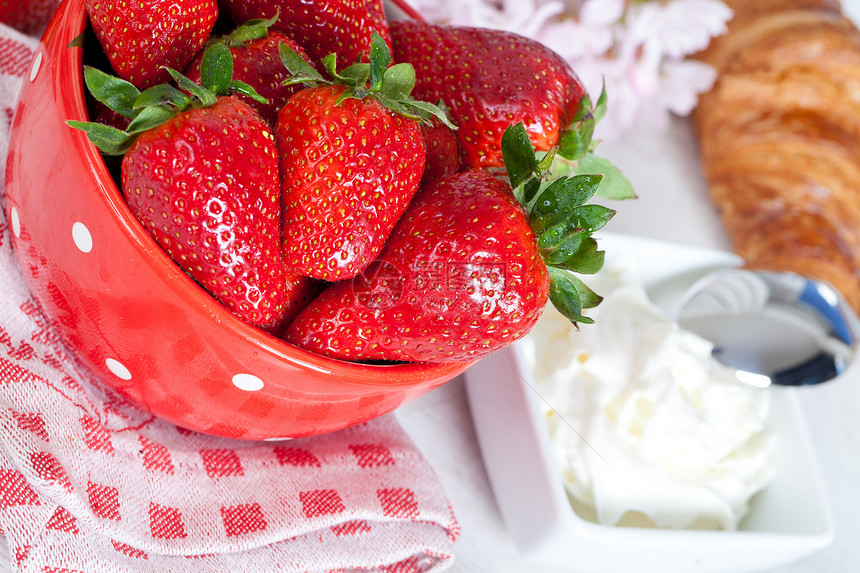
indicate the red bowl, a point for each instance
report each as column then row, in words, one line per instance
column 132, row 316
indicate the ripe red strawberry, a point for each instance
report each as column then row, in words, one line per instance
column 343, row 27
column 467, row 269
column 142, row 36
column 27, row 16
column 200, row 172
column 489, row 79
column 460, row 275
column 205, row 186
column 350, row 163
column 257, row 62
column 348, row 173
column 442, row 154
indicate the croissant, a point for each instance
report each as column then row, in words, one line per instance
column 779, row 138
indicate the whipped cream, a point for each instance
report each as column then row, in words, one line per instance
column 648, row 429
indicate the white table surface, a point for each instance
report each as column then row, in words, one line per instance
column 673, row 206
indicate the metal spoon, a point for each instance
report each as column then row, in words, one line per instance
column 774, row 328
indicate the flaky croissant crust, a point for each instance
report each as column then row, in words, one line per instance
column 779, row 138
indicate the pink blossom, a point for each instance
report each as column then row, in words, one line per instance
column 638, row 49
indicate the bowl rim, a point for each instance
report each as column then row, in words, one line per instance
column 68, row 25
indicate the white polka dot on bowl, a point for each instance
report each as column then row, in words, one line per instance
column 82, row 237
column 37, row 64
column 118, row 368
column 247, row 382
column 15, row 220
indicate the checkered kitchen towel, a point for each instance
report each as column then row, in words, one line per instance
column 91, row 483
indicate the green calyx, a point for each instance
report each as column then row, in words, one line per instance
column 156, row 105
column 575, row 151
column 249, row 31
column 390, row 84
column 576, row 141
column 556, row 189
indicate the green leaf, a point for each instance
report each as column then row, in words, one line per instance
column 587, row 259
column 252, row 30
column 380, row 59
column 518, row 154
column 206, row 97
column 357, row 74
column 398, row 81
column 151, row 117
column 591, row 217
column 575, row 142
column 117, row 94
column 351, row 94
column 600, row 107
column 562, row 167
column 583, row 108
column 546, row 160
column 428, row 110
column 560, row 242
column 162, row 94
column 397, row 106
column 216, row 69
column 530, row 190
column 108, row 139
column 566, row 296
column 77, row 41
column 615, row 184
column 556, row 203
column 329, row 62
column 240, row 87
column 301, row 70
column 589, row 298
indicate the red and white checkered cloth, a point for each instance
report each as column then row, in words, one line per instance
column 90, row 482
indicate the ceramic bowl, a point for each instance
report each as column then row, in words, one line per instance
column 131, row 316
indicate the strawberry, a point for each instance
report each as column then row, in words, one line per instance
column 467, row 270
column 142, row 37
column 489, row 79
column 200, row 172
column 101, row 113
column 27, row 16
column 443, row 288
column 342, row 27
column 350, row 162
column 257, row 62
column 442, row 154
column 205, row 186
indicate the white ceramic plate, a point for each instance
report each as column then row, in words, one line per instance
column 786, row 521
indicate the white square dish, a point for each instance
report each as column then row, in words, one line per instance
column 787, row 520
